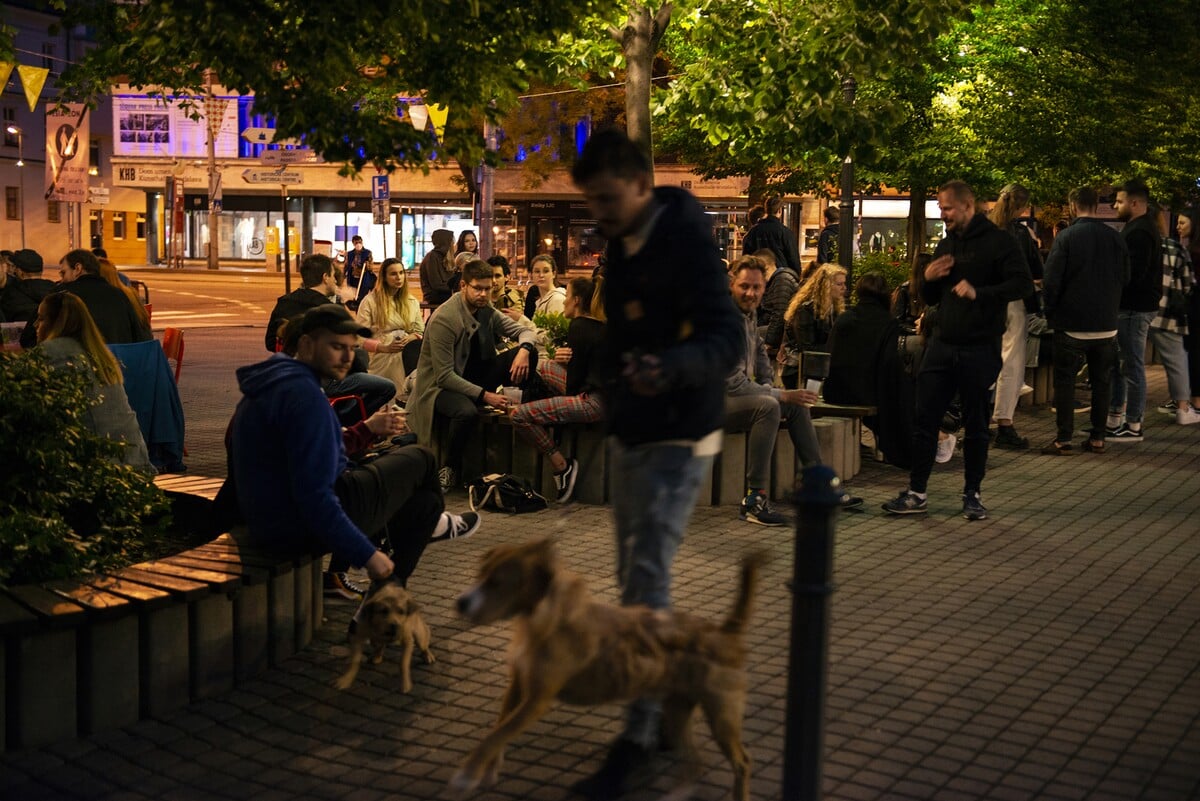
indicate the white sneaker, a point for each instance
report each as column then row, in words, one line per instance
column 1187, row 417
column 1026, row 390
column 945, row 449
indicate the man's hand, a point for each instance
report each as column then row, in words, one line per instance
column 562, row 355
column 512, row 314
column 495, row 400
column 644, row 375
column 387, row 423
column 964, row 289
column 379, row 566
column 520, row 367
column 939, row 267
column 800, row 397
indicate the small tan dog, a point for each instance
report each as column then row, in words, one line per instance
column 568, row 647
column 388, row 616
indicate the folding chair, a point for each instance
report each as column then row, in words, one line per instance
column 172, row 345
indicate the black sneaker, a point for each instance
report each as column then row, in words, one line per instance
column 1007, row 437
column 973, row 508
column 340, row 585
column 564, row 482
column 755, row 509
column 1123, row 433
column 848, row 501
column 456, row 527
column 1170, row 407
column 626, row 764
column 906, row 503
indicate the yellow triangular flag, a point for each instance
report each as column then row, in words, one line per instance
column 5, row 71
column 418, row 115
column 33, row 78
column 438, row 114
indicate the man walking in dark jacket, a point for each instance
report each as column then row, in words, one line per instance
column 673, row 336
column 976, row 271
column 770, row 232
column 1087, row 268
column 1139, row 303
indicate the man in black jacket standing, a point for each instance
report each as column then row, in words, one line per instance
column 1085, row 272
column 975, row 272
column 770, row 232
column 673, row 335
column 1139, row 303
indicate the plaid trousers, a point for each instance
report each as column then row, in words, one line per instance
column 530, row 419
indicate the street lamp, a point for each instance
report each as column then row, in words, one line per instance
column 846, row 205
column 14, row 129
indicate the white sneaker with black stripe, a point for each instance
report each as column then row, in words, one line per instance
column 455, row 527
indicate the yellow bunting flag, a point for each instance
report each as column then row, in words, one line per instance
column 438, row 114
column 418, row 115
column 33, row 78
column 5, row 71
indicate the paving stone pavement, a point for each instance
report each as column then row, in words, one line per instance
column 1049, row 652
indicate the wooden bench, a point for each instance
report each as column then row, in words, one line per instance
column 85, row 655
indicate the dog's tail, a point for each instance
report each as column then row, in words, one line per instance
column 743, row 607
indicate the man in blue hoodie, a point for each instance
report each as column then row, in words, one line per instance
column 295, row 486
column 673, row 336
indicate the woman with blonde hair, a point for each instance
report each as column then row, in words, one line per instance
column 394, row 316
column 809, row 318
column 70, row 339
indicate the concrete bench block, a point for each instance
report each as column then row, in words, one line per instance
column 109, row 675
column 211, row 644
column 305, row 623
column 592, row 453
column 831, row 442
column 783, row 468
column 164, row 660
column 729, row 474
column 251, row 628
column 851, row 435
column 44, row 708
column 499, row 449
column 282, row 617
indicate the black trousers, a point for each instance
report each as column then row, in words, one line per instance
column 968, row 370
column 462, row 412
column 396, row 496
column 1069, row 352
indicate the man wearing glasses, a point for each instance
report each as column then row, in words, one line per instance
column 459, row 367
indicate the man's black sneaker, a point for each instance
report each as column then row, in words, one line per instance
column 906, row 503
column 1007, row 437
column 339, row 585
column 626, row 764
column 848, row 501
column 455, row 527
column 1123, row 433
column 564, row 482
column 1170, row 407
column 755, row 509
column 973, row 508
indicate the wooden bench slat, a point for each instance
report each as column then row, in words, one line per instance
column 99, row 603
column 248, row 573
column 217, row 553
column 220, row 582
column 189, row 590
column 54, row 610
column 837, row 410
column 149, row 598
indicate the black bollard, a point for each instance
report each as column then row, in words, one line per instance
column 818, row 500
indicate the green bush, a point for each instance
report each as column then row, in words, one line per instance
column 553, row 326
column 894, row 267
column 66, row 508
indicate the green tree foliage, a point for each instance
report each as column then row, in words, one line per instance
column 334, row 73
column 65, row 507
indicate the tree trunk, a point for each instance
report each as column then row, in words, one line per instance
column 639, row 41
column 916, row 222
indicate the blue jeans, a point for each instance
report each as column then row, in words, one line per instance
column 1128, row 378
column 375, row 390
column 659, row 486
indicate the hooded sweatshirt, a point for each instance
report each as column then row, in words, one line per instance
column 286, row 455
column 437, row 268
column 988, row 259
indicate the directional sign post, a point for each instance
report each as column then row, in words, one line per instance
column 380, row 199
column 259, row 136
column 251, row 176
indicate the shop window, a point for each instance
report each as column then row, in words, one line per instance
column 118, row 225
column 12, row 202
column 53, row 211
column 141, row 227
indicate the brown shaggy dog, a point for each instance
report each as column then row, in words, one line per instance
column 568, row 647
column 388, row 615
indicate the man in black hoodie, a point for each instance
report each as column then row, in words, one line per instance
column 1139, row 303
column 673, row 335
column 24, row 291
column 976, row 271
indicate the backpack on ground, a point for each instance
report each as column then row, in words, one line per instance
column 504, row 492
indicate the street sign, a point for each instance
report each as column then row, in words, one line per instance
column 380, row 211
column 272, row 176
column 379, row 188
column 279, row 157
column 98, row 195
column 259, row 136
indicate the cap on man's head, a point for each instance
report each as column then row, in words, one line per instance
column 334, row 318
column 28, row 261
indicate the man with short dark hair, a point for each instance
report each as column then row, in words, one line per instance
column 1139, row 303
column 976, row 271
column 672, row 338
column 111, row 309
column 296, row 489
column 24, row 289
column 827, row 241
column 1087, row 267
column 770, row 232
column 459, row 366
column 357, row 260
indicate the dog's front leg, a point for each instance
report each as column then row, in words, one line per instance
column 406, row 684
column 529, row 704
column 356, row 654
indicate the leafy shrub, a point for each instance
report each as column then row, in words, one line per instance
column 65, row 507
column 553, row 326
column 893, row 266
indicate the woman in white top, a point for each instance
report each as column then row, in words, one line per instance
column 394, row 316
column 551, row 297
